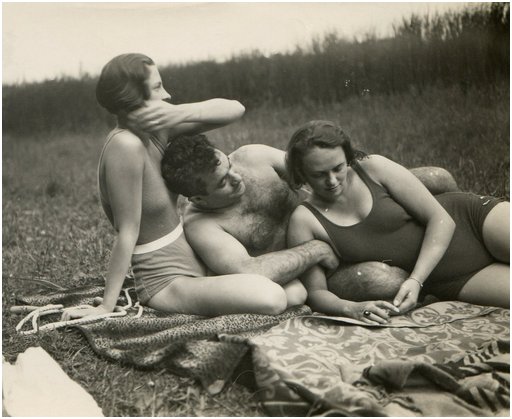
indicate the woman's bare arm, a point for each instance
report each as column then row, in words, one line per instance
column 124, row 166
column 319, row 297
column 409, row 192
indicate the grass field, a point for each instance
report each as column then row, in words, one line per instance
column 53, row 227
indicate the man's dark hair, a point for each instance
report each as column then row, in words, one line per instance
column 187, row 159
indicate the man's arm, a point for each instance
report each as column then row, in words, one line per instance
column 224, row 254
column 263, row 155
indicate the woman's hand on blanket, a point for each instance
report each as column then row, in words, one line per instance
column 407, row 296
column 373, row 312
column 82, row 313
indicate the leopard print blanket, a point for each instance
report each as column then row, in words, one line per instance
column 207, row 349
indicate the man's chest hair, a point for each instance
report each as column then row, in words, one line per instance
column 260, row 221
column 258, row 232
column 266, row 195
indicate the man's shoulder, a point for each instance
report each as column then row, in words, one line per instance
column 196, row 221
column 204, row 229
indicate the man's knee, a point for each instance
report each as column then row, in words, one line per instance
column 436, row 179
column 367, row 281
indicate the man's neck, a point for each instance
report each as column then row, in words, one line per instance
column 218, row 209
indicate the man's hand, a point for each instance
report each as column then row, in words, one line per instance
column 153, row 116
column 407, row 296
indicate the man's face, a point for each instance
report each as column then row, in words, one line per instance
column 224, row 186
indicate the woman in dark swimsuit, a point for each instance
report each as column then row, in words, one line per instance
column 454, row 246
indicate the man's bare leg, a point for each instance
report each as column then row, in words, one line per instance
column 366, row 281
column 436, row 179
column 218, row 295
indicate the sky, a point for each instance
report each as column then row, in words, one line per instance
column 48, row 40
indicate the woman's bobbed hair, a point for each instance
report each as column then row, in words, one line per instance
column 318, row 133
column 121, row 87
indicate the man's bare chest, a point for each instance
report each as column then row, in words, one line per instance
column 260, row 220
column 258, row 232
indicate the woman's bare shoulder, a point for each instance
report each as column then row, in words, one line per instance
column 301, row 216
column 376, row 165
column 125, row 141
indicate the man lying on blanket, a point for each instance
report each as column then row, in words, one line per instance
column 238, row 211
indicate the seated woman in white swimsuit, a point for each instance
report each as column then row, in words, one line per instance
column 168, row 275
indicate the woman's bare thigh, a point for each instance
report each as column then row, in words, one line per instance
column 496, row 232
column 489, row 286
column 217, row 295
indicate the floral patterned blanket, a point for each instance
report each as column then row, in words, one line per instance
column 444, row 359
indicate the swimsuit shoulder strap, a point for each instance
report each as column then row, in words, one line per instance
column 157, row 144
column 372, row 185
column 311, row 208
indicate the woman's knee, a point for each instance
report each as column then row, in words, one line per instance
column 296, row 293
column 267, row 296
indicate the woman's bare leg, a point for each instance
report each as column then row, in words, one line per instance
column 489, row 287
column 496, row 232
column 218, row 295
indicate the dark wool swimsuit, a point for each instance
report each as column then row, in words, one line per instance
column 390, row 235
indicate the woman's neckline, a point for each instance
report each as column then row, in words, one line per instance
column 372, row 195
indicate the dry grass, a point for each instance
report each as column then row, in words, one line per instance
column 53, row 227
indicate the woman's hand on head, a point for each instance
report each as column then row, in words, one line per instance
column 407, row 296
column 84, row 313
column 153, row 116
column 373, row 312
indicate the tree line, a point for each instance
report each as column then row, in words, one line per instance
column 469, row 47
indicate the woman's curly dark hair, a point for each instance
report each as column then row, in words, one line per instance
column 186, row 160
column 318, row 133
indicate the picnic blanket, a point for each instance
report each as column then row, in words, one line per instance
column 444, row 359
column 186, row 345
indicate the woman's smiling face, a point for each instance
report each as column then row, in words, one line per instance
column 325, row 170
